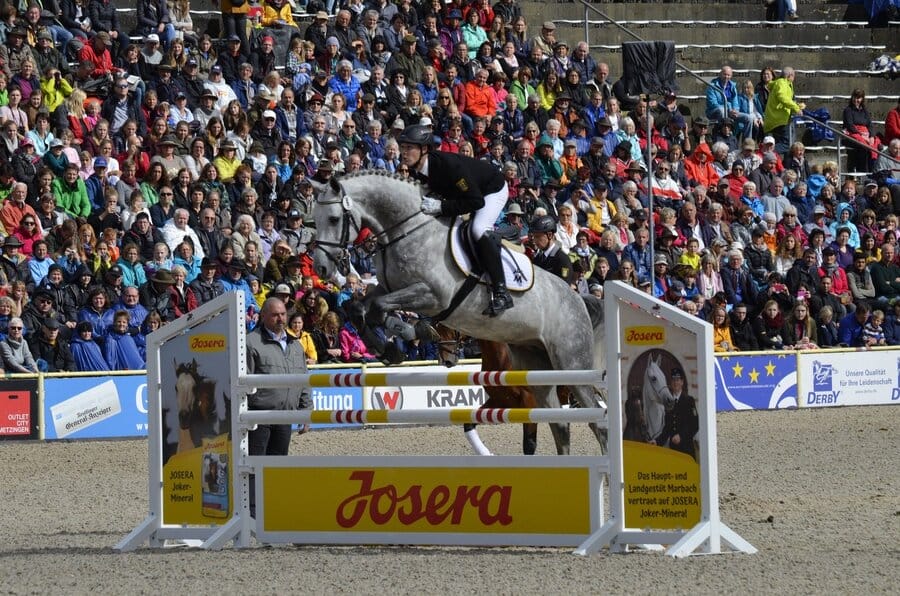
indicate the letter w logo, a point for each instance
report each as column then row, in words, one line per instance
column 388, row 400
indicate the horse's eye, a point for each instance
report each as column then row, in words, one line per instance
column 334, row 219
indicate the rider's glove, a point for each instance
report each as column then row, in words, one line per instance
column 431, row 206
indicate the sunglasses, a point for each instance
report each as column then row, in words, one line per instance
column 15, row 328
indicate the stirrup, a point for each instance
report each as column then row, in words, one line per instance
column 500, row 301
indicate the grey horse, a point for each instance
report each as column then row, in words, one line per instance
column 548, row 328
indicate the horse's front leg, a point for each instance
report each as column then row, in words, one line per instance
column 416, row 297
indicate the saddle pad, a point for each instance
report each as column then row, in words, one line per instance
column 517, row 267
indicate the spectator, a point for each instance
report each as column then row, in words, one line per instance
column 270, row 350
column 852, row 328
column 120, row 349
column 51, row 351
column 86, row 352
column 770, row 327
column 780, row 107
column 15, row 352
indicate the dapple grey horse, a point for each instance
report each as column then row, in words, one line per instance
column 548, row 328
column 656, row 396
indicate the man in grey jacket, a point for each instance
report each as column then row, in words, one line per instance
column 271, row 350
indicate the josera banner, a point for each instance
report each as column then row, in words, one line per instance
column 196, row 425
column 95, row 407
column 756, row 381
column 663, row 406
column 19, row 409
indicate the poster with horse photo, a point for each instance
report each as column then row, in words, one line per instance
column 196, row 426
column 661, row 413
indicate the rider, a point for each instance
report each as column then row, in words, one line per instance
column 468, row 186
column 547, row 253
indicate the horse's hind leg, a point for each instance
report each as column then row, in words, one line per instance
column 583, row 396
column 529, row 438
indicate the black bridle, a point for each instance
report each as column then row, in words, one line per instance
column 349, row 225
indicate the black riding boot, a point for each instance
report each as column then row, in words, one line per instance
column 489, row 254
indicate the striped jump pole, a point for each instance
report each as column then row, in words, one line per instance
column 453, row 416
column 509, row 378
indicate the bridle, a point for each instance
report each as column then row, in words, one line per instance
column 339, row 254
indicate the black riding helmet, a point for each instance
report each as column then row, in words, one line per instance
column 543, row 223
column 417, row 134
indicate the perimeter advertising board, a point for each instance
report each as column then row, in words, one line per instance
column 19, row 409
column 660, row 444
column 95, row 407
column 848, row 379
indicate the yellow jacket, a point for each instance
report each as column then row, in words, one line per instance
column 55, row 96
column 226, row 167
column 780, row 105
column 722, row 339
column 229, row 8
column 595, row 219
column 306, row 340
column 283, row 14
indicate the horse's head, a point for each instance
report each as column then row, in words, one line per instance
column 385, row 203
column 655, row 386
column 448, row 346
column 335, row 224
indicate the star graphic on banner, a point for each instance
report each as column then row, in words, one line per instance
column 754, row 376
column 737, row 369
column 770, row 369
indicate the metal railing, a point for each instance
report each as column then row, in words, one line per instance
column 839, row 133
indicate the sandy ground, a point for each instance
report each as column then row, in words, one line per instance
column 817, row 492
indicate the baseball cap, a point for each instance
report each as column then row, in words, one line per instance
column 100, row 162
column 153, row 37
column 294, row 214
column 268, row 114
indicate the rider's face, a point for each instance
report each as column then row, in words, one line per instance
column 410, row 154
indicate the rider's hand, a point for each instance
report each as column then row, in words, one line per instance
column 431, row 206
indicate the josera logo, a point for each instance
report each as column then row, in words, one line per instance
column 208, row 342
column 647, row 335
column 383, row 503
column 387, row 398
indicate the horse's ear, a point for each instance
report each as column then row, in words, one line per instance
column 335, row 185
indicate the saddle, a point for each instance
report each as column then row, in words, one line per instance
column 517, row 267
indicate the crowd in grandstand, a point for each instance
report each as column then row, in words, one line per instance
column 142, row 176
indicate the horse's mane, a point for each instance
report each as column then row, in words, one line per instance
column 381, row 174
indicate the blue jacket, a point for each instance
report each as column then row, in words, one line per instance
column 122, row 353
column 87, row 355
column 349, row 89
column 133, row 276
column 243, row 89
column 642, row 259
column 714, row 99
column 851, row 332
column 836, row 225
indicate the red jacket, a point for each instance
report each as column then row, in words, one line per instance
column 102, row 62
column 701, row 172
column 480, row 101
